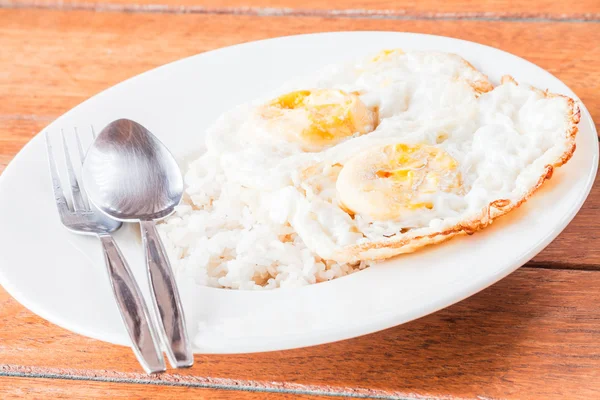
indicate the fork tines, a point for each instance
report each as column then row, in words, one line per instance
column 79, row 203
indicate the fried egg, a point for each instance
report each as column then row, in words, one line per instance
column 402, row 188
column 388, row 181
column 262, row 145
column 316, row 119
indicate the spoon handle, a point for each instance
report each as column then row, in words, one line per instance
column 132, row 307
column 165, row 297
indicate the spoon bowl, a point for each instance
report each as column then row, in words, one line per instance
column 130, row 175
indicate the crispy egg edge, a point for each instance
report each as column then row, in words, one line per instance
column 389, row 248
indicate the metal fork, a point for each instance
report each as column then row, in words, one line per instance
column 81, row 218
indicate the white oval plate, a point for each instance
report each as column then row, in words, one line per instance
column 61, row 276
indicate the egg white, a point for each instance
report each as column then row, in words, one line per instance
column 514, row 138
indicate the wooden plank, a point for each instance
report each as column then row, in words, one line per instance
column 578, row 246
column 40, row 388
column 45, row 77
column 15, row 132
column 533, row 335
column 489, row 9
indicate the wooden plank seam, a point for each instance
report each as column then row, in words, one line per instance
column 199, row 382
column 391, row 14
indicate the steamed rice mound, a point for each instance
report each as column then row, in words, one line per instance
column 221, row 236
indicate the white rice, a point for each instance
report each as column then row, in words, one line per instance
column 222, row 236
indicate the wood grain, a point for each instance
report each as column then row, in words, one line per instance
column 533, row 335
column 15, row 133
column 40, row 388
column 585, row 10
column 45, row 77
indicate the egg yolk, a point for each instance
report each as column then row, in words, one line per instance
column 387, row 182
column 386, row 54
column 318, row 118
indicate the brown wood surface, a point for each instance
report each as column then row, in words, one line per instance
column 584, row 10
column 53, row 60
column 44, row 388
column 533, row 335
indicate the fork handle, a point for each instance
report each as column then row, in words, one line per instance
column 166, row 300
column 133, row 308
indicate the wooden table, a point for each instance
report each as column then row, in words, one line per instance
column 534, row 335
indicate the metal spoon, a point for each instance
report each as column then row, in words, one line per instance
column 131, row 176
